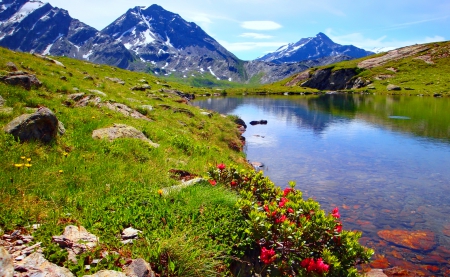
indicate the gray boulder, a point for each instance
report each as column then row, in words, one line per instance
column 41, row 125
column 121, row 131
column 125, row 110
column 23, row 79
column 107, row 273
column 11, row 66
column 6, row 263
column 139, row 268
column 393, row 87
column 37, row 265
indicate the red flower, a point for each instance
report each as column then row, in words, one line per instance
column 287, row 191
column 283, row 202
column 321, row 267
column 335, row 213
column 318, row 266
column 233, row 183
column 338, row 228
column 221, row 166
column 212, row 182
column 290, row 210
column 267, row 256
column 266, row 208
column 281, row 219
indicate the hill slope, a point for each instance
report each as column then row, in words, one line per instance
column 417, row 69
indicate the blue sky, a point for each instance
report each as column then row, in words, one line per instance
column 252, row 28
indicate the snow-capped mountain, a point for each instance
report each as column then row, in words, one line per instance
column 312, row 48
column 34, row 26
column 172, row 45
column 150, row 39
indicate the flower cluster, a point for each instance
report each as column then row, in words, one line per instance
column 312, row 265
column 290, row 230
column 25, row 163
column 267, row 256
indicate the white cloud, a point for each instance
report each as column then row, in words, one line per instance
column 255, row 36
column 260, row 25
column 246, row 46
column 383, row 42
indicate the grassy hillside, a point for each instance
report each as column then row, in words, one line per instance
column 108, row 186
column 417, row 70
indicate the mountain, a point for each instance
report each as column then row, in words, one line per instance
column 170, row 45
column 34, row 26
column 150, row 39
column 312, row 48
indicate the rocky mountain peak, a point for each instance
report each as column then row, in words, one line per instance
column 311, row 48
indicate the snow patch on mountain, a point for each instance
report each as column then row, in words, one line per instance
column 25, row 10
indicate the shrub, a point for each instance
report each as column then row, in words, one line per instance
column 294, row 237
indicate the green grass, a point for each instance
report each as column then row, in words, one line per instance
column 108, row 186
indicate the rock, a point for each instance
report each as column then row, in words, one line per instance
column 121, row 131
column 147, row 107
column 185, row 111
column 376, row 273
column 11, row 66
column 2, row 101
column 329, row 79
column 23, row 79
column 97, row 92
column 37, row 265
column 143, row 81
column 141, row 88
column 184, row 184
column 50, row 60
column 107, row 273
column 64, row 78
column 6, row 263
column 262, row 122
column 139, row 268
column 206, row 114
column 125, row 110
column 416, row 240
column 116, row 80
column 75, row 96
column 241, row 122
column 89, row 78
column 130, row 233
column 78, row 239
column 393, row 87
column 360, row 82
column 41, row 125
column 437, row 95
column 89, row 99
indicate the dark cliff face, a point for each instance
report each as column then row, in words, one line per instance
column 312, row 48
column 327, row 79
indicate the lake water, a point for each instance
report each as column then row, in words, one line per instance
column 383, row 160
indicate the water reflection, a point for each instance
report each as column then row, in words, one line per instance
column 385, row 173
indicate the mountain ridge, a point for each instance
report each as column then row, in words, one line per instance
column 148, row 39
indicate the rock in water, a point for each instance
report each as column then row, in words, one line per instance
column 41, row 125
column 6, row 263
column 417, row 240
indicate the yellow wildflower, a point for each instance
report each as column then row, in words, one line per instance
column 60, row 171
column 23, row 157
column 28, row 165
column 29, row 160
column 160, row 192
column 65, row 154
column 18, row 165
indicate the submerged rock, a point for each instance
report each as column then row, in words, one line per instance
column 417, row 240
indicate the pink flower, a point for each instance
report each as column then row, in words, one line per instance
column 267, row 256
column 212, row 182
column 221, row 166
column 335, row 213
column 290, row 210
column 287, row 191
column 318, row 266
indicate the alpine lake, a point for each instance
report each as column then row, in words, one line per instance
column 383, row 160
